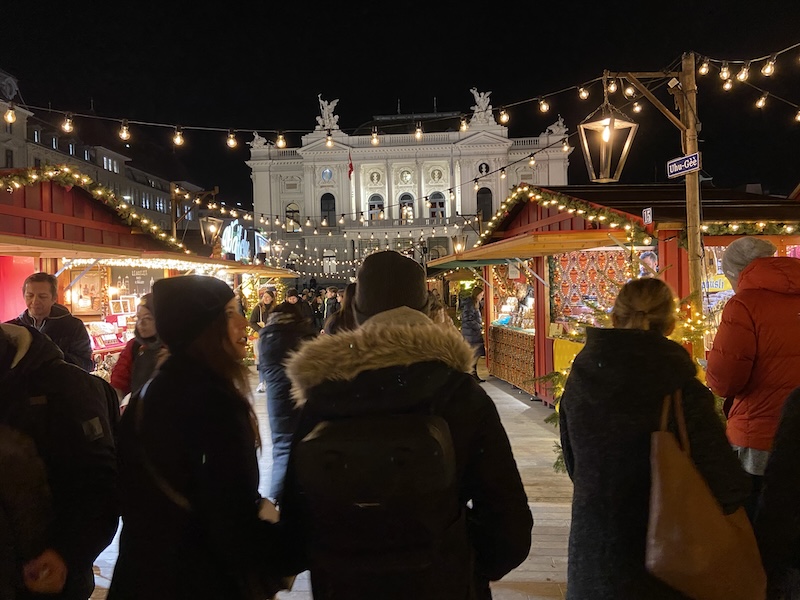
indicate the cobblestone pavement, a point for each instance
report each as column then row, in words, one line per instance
column 543, row 575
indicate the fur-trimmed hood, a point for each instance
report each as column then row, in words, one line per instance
column 398, row 337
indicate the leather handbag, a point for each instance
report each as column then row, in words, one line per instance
column 692, row 546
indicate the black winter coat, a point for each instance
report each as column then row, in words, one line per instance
column 287, row 326
column 65, row 411
column 196, row 440
column 393, row 363
column 471, row 325
column 611, row 404
column 68, row 332
column 777, row 522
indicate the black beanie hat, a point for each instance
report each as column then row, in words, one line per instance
column 183, row 306
column 291, row 292
column 388, row 280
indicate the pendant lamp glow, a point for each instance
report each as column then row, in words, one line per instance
column 606, row 136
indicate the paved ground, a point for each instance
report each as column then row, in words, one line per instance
column 544, row 574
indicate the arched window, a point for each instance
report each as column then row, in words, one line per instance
column 436, row 200
column 327, row 210
column 485, row 209
column 292, row 218
column 375, row 207
column 328, row 261
column 407, row 207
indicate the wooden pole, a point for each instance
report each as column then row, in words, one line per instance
column 689, row 117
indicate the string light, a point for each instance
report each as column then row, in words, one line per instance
column 10, row 115
column 762, row 101
column 281, row 141
column 374, row 141
column 637, row 107
column 502, row 173
column 231, row 141
column 583, row 93
column 769, row 68
column 744, row 72
column 629, row 92
column 418, row 132
column 728, row 85
column 67, row 124
column 503, row 116
column 329, row 139
column 531, row 160
column 704, row 67
column 124, row 132
column 725, row 71
column 463, row 126
column 565, row 146
column 612, row 86
column 544, row 106
column 177, row 138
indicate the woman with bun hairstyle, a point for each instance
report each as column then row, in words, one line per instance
column 188, row 470
column 611, row 404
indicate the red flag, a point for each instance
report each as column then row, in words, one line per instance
column 349, row 166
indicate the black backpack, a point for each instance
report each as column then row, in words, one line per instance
column 379, row 494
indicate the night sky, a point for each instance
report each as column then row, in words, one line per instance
column 261, row 68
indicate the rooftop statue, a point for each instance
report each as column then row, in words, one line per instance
column 557, row 128
column 482, row 110
column 327, row 120
column 258, row 141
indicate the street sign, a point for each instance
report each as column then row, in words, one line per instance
column 683, row 165
column 647, row 216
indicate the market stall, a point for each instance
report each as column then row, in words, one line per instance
column 568, row 251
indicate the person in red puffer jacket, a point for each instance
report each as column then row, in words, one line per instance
column 756, row 358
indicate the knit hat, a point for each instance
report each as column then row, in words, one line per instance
column 291, row 292
column 388, row 280
column 742, row 252
column 183, row 306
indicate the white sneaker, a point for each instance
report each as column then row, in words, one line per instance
column 261, row 387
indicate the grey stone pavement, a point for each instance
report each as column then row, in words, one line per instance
column 543, row 575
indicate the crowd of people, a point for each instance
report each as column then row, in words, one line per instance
column 367, row 385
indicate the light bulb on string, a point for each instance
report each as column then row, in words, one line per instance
column 544, row 106
column 629, row 91
column 583, row 93
column 463, row 126
column 10, row 115
column 67, row 124
column 612, row 86
column 503, row 116
column 725, row 71
column 231, row 141
column 565, row 146
column 281, row 141
column 124, row 131
column 341, row 219
column 797, row 116
column 502, row 173
column 703, row 70
column 744, row 72
column 769, row 67
column 762, row 101
column 477, row 187
column 637, row 107
column 324, row 222
column 418, row 132
column 329, row 139
column 728, row 85
column 374, row 141
column 177, row 137
column 531, row 160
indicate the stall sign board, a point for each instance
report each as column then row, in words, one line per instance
column 647, row 216
column 683, row 165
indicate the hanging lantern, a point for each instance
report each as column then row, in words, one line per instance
column 606, row 136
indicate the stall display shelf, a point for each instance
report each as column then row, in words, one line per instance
column 511, row 353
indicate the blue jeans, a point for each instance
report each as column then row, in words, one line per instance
column 283, row 418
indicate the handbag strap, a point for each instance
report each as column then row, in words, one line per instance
column 675, row 400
